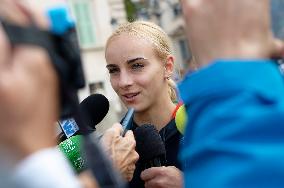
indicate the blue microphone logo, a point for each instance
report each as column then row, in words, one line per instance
column 69, row 126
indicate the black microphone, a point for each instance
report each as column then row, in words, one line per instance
column 150, row 146
column 91, row 111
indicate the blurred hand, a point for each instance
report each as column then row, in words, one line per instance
column 229, row 29
column 88, row 180
column 29, row 103
column 121, row 150
column 162, row 177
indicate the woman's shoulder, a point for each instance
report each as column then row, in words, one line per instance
column 170, row 132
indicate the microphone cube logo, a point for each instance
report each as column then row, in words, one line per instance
column 79, row 163
column 71, row 148
column 69, row 126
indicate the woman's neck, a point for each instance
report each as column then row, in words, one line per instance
column 158, row 115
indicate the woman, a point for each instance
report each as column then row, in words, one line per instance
column 141, row 64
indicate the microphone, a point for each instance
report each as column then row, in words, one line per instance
column 150, row 146
column 85, row 151
column 92, row 111
column 72, row 150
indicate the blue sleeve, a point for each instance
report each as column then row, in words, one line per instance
column 235, row 131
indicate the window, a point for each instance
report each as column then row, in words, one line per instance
column 97, row 87
column 177, row 9
column 82, row 11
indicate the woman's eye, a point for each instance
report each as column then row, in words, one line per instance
column 137, row 66
column 113, row 70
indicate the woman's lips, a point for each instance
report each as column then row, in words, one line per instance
column 130, row 97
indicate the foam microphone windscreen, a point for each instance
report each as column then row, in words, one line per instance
column 149, row 143
column 92, row 110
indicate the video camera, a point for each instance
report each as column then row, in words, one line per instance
column 62, row 46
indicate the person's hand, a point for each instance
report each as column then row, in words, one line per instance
column 162, row 177
column 221, row 29
column 29, row 98
column 121, row 150
column 88, row 180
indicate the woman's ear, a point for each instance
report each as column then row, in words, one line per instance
column 169, row 66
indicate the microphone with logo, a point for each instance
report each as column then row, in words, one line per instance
column 85, row 152
column 92, row 111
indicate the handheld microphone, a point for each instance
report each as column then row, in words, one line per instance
column 72, row 149
column 127, row 121
column 150, row 146
column 92, row 111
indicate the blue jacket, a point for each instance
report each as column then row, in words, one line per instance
column 235, row 133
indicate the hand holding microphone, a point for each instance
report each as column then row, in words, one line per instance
column 163, row 177
column 151, row 149
column 121, row 149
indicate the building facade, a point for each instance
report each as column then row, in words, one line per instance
column 168, row 15
column 95, row 20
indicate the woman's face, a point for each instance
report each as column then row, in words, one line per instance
column 136, row 73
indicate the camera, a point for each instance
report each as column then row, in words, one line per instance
column 61, row 43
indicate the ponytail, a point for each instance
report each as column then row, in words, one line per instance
column 172, row 89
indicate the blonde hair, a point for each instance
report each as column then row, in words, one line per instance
column 155, row 35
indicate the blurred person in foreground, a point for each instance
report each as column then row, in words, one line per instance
column 29, row 108
column 27, row 121
column 235, row 134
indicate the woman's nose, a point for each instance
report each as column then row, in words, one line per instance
column 125, row 80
